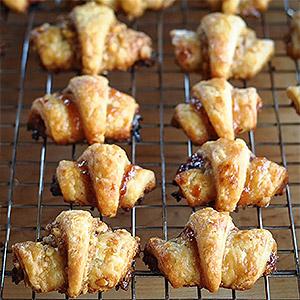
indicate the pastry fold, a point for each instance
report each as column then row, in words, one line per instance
column 91, row 39
column 226, row 173
column 242, row 7
column 87, row 109
column 103, row 177
column 79, row 255
column 293, row 92
column 217, row 109
column 211, row 253
column 136, row 8
column 223, row 46
column 293, row 45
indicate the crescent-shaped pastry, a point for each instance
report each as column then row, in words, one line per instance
column 136, row 8
column 91, row 39
column 217, row 109
column 293, row 46
column 227, row 173
column 87, row 109
column 102, row 177
column 293, row 92
column 240, row 7
column 79, row 255
column 212, row 253
column 223, row 46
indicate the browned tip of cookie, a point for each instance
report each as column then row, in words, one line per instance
column 271, row 264
column 55, row 188
column 150, row 260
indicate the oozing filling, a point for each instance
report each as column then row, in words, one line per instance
column 37, row 126
column 130, row 172
column 196, row 161
column 271, row 264
column 124, row 282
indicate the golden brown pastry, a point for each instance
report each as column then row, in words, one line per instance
column 79, row 255
column 136, row 8
column 293, row 93
column 217, row 109
column 91, row 39
column 211, row 253
column 243, row 7
column 103, row 177
column 293, row 46
column 87, row 108
column 223, row 46
column 227, row 173
column 20, row 6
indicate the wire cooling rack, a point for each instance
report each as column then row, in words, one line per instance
column 26, row 166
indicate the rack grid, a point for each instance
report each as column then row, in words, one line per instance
column 26, row 166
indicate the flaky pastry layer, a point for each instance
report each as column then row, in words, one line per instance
column 226, row 173
column 223, row 47
column 217, row 109
column 103, row 177
column 91, row 39
column 87, row 109
column 212, row 253
column 79, row 255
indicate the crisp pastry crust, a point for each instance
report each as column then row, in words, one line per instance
column 211, row 253
column 92, row 23
column 136, row 8
column 79, row 255
column 293, row 46
column 217, row 109
column 226, row 173
column 222, row 47
column 92, row 39
column 293, row 92
column 103, row 177
column 87, row 108
column 243, row 7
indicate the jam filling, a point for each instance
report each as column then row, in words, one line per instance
column 128, row 175
column 150, row 261
column 17, row 275
column 177, row 195
column 37, row 126
column 271, row 264
column 55, row 188
column 197, row 104
column 196, row 161
column 188, row 233
column 124, row 282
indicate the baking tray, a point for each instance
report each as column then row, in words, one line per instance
column 27, row 166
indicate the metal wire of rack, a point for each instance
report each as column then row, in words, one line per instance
column 9, row 181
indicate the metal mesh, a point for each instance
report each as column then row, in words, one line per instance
column 27, row 165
